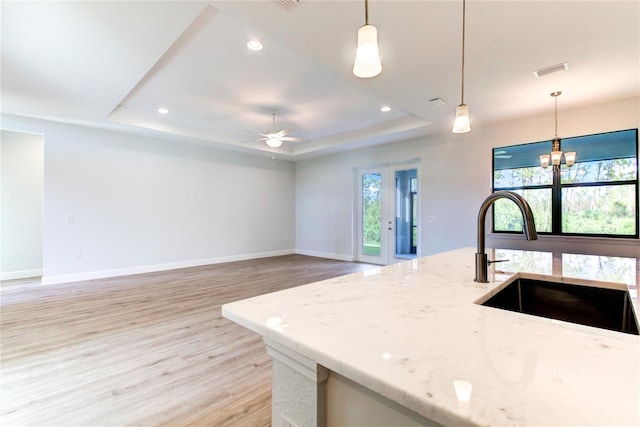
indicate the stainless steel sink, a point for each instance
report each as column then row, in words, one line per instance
column 607, row 307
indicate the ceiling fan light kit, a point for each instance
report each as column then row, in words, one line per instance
column 276, row 138
column 274, row 142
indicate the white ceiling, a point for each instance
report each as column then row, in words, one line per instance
column 114, row 63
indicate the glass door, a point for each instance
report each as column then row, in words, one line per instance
column 372, row 218
column 405, row 212
column 387, row 213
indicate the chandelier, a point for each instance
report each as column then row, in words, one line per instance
column 555, row 157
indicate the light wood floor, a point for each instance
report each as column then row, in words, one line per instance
column 144, row 350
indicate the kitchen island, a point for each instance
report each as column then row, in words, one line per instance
column 406, row 344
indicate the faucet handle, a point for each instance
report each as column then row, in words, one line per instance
column 497, row 260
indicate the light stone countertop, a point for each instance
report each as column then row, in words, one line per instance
column 408, row 331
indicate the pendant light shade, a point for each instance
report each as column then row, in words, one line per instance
column 461, row 124
column 367, row 63
column 570, row 158
column 544, row 160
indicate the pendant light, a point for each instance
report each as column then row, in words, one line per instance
column 556, row 154
column 461, row 123
column 367, row 63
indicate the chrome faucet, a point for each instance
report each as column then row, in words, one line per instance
column 529, row 228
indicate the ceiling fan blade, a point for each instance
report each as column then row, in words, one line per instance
column 291, row 139
column 283, row 132
column 254, row 140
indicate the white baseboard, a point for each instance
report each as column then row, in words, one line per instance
column 23, row 274
column 339, row 257
column 92, row 275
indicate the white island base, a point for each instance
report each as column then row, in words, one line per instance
column 307, row 394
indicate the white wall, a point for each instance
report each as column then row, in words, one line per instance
column 21, row 192
column 455, row 178
column 117, row 203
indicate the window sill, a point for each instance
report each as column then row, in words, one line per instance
column 625, row 247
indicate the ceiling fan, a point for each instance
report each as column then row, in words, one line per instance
column 275, row 138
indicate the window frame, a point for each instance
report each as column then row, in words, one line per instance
column 557, row 186
column 413, row 226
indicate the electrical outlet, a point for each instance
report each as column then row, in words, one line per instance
column 70, row 219
column 77, row 255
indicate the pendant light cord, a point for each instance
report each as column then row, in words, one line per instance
column 556, row 99
column 463, row 37
column 556, row 141
column 366, row 12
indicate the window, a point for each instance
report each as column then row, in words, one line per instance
column 597, row 196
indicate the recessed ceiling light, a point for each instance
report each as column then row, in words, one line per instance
column 162, row 110
column 385, row 108
column 254, row 44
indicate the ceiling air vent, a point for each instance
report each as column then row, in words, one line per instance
column 288, row 4
column 550, row 70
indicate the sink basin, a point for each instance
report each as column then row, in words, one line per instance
column 607, row 307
